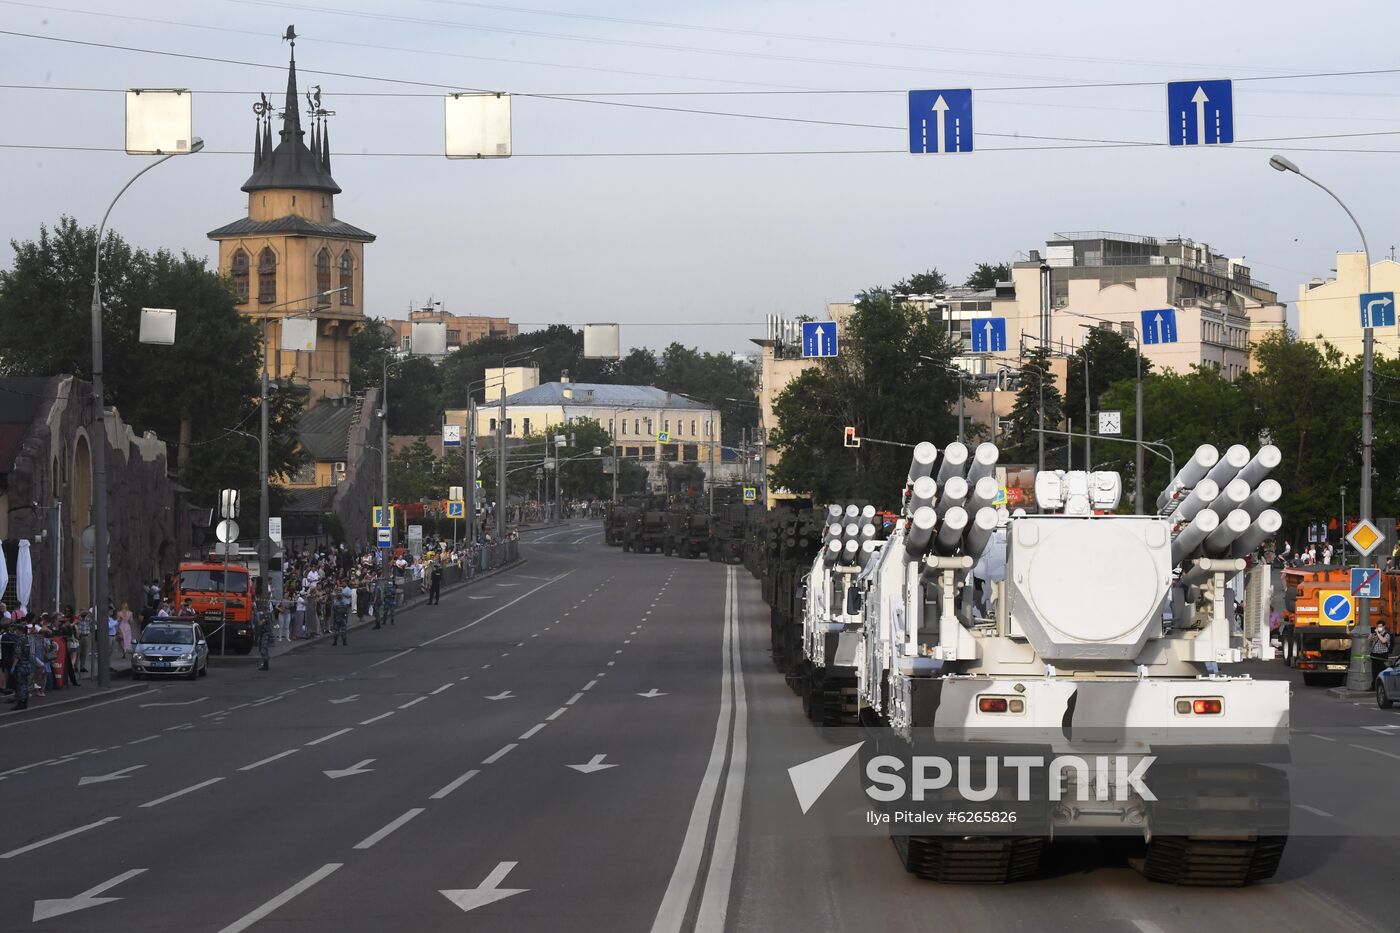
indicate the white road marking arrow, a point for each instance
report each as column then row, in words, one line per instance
column 43, row 910
column 1199, row 99
column 503, row 695
column 487, row 893
column 113, row 776
column 481, row 597
column 1371, row 314
column 652, row 694
column 1383, row 730
column 180, row 703
column 940, row 109
column 347, row 772
column 596, row 764
column 350, row 699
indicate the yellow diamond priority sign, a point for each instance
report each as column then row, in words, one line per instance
column 1365, row 537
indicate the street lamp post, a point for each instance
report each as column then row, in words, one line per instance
column 98, row 447
column 1359, row 670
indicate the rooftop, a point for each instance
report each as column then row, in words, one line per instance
column 291, row 164
column 294, row 225
column 324, row 431
column 602, row 395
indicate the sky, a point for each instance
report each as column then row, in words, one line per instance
column 605, row 214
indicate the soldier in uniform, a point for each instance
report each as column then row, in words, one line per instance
column 24, row 668
column 265, row 632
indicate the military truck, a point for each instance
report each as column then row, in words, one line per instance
column 645, row 531
column 687, row 533
column 730, row 521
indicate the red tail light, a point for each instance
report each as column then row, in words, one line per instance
column 991, row 704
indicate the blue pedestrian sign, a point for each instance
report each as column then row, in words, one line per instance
column 1338, row 607
column 989, row 335
column 456, row 509
column 818, row 338
column 940, row 121
column 1200, row 113
column 1159, row 326
column 1377, row 309
column 1366, row 582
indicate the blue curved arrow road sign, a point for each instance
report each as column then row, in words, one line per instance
column 1377, row 309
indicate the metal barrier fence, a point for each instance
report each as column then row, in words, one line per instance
column 478, row 559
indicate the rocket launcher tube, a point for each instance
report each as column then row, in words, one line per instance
column 924, row 492
column 1229, row 465
column 954, row 494
column 1265, row 527
column 834, row 531
column 834, row 512
column 984, row 493
column 984, row 462
column 852, row 512
column 868, row 550
column 951, row 531
column 852, row 531
column 1193, row 535
column 979, row 532
column 832, row 551
column 1265, row 496
column 1199, row 498
column 867, row 514
column 921, row 464
column 1220, row 541
column 1191, row 473
column 868, row 532
column 1231, row 497
column 849, row 550
column 920, row 533
column 1265, row 462
column 954, row 462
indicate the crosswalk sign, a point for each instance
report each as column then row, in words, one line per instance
column 383, row 518
column 456, row 509
column 663, row 437
column 750, row 494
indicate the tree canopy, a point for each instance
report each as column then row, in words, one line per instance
column 988, row 274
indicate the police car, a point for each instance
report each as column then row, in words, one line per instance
column 171, row 646
column 1388, row 686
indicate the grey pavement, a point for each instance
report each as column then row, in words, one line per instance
column 562, row 747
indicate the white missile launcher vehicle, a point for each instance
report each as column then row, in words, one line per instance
column 1082, row 632
column 832, row 618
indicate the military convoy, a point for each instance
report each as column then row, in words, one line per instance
column 683, row 526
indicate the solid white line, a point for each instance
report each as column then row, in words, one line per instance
column 590, row 685
column 370, row 840
column 72, row 832
column 181, row 726
column 557, row 713
column 413, row 702
column 719, row 879
column 499, row 754
column 1324, row 738
column 464, row 677
column 1314, row 810
column 327, row 738
column 573, row 699
column 377, row 718
column 247, row 920
column 533, row 729
column 1147, row 926
column 180, row 793
column 146, row 739
column 25, row 720
column 494, row 611
column 268, row 761
column 455, row 784
column 1367, row 748
column 393, row 657
column 439, row 690
column 46, row 761
column 670, row 916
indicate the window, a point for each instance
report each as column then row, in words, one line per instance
column 709, row 429
column 323, row 277
column 347, row 278
column 509, row 425
column 666, row 426
column 238, row 269
column 648, row 425
column 406, row 343
column 693, row 432
column 648, row 453
column 493, row 422
column 631, row 452
column 267, row 276
column 527, row 425
column 692, row 453
column 636, row 425
column 454, row 337
column 611, row 422
column 670, row 452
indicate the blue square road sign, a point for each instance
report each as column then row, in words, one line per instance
column 989, row 335
column 1377, row 309
column 1200, row 113
column 1159, row 326
column 1366, row 582
column 940, row 121
column 818, row 338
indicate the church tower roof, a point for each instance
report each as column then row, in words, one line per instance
column 291, row 164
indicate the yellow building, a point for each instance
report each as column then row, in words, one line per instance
column 1330, row 311
column 291, row 247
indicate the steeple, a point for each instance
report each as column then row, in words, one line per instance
column 291, row 164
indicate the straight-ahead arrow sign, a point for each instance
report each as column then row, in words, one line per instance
column 503, row 695
column 350, row 699
column 353, row 769
column 595, row 764
column 1200, row 100
column 113, row 776
column 488, row 892
column 44, row 910
column 652, row 694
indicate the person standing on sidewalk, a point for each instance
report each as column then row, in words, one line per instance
column 435, row 582
column 1378, row 645
column 84, row 638
column 340, row 617
column 265, row 632
column 24, row 667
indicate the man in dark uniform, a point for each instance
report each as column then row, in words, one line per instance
column 435, row 583
column 265, row 632
column 24, row 667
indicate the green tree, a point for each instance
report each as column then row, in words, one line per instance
column 1021, row 442
column 718, row 379
column 988, row 274
column 415, row 396
column 415, row 473
column 893, row 382
column 1112, row 359
column 921, row 283
column 368, row 347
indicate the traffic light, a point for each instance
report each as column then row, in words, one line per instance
column 851, row 439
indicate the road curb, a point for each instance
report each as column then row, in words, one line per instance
column 284, row 648
column 84, row 699
column 1346, row 693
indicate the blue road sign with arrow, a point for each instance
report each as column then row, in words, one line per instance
column 1337, row 607
column 940, row 121
column 1366, row 582
column 1200, row 113
column 1159, row 326
column 989, row 335
column 818, row 338
column 1377, row 309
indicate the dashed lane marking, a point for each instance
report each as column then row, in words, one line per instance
column 327, row 738
column 379, row 834
column 455, row 784
column 532, row 730
column 269, row 760
column 247, row 920
column 377, row 718
column 180, row 793
column 498, row 754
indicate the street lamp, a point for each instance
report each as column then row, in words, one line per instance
column 1137, row 343
column 501, row 443
column 99, row 431
column 1359, row 671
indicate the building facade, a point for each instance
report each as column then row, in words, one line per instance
column 1330, row 311
column 291, row 257
column 461, row 330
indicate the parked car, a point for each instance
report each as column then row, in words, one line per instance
column 1388, row 686
column 171, row 646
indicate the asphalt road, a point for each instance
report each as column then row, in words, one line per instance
column 593, row 741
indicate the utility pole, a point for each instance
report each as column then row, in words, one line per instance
column 469, row 467
column 501, row 460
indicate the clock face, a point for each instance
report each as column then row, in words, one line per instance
column 1110, row 422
